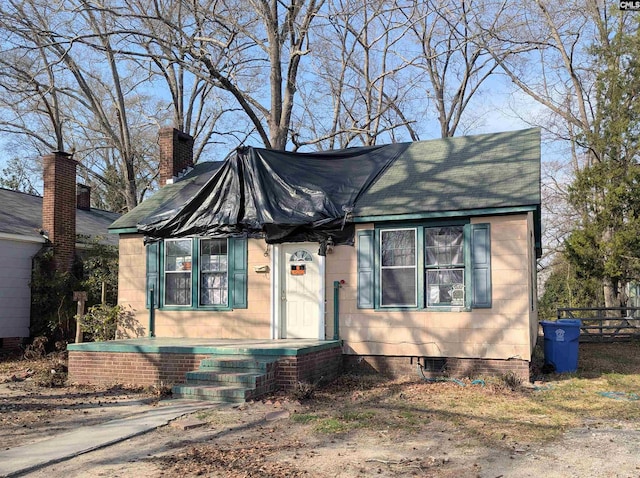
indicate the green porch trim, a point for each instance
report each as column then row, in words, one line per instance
column 444, row 214
column 124, row 230
column 262, row 348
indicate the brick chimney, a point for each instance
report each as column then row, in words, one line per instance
column 83, row 197
column 176, row 154
column 59, row 207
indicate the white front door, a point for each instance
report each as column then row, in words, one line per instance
column 301, row 295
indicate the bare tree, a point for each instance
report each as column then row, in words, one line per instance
column 453, row 56
column 237, row 46
column 32, row 76
column 564, row 73
column 555, row 67
column 78, row 89
column 195, row 105
column 360, row 74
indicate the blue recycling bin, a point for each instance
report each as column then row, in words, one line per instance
column 561, row 344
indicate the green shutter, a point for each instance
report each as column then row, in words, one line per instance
column 481, row 265
column 153, row 273
column 239, row 272
column 366, row 275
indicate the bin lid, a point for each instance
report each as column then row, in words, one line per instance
column 572, row 322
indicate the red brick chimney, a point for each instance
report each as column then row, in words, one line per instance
column 176, row 154
column 83, row 197
column 59, row 207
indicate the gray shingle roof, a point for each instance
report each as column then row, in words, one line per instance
column 21, row 214
column 462, row 173
column 497, row 170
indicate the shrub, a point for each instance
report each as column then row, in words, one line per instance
column 101, row 321
column 95, row 271
column 303, row 391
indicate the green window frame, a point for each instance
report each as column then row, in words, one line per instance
column 451, row 269
column 398, row 267
column 197, row 273
column 444, row 266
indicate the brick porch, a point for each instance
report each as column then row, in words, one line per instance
column 166, row 361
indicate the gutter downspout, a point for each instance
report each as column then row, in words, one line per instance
column 336, row 308
column 152, row 313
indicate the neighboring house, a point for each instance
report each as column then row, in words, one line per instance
column 27, row 224
column 417, row 253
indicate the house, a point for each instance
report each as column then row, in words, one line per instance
column 28, row 223
column 415, row 255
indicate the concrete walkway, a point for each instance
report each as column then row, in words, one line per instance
column 29, row 457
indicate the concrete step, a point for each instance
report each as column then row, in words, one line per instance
column 202, row 376
column 212, row 393
column 235, row 364
column 228, row 379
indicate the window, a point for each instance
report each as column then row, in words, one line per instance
column 398, row 267
column 177, row 272
column 197, row 273
column 301, row 256
column 214, row 284
column 429, row 266
column 444, row 263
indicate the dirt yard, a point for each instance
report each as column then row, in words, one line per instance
column 587, row 424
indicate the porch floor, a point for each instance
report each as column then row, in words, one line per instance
column 177, row 345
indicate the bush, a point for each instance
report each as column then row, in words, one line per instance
column 101, row 321
column 512, row 380
column 303, row 391
column 52, row 308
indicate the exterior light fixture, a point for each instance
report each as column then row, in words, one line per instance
column 330, row 245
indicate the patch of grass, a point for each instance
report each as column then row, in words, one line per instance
column 499, row 414
column 357, row 416
column 304, row 417
column 331, row 426
column 409, row 418
column 340, row 421
column 597, row 359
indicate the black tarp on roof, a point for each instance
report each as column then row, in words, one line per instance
column 287, row 197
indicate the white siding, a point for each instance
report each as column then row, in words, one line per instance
column 15, row 294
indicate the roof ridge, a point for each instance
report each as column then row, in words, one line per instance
column 20, row 192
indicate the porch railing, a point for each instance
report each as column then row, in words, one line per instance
column 605, row 324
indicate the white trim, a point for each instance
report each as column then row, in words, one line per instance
column 275, row 288
column 21, row 238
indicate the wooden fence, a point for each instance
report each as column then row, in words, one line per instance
column 605, row 324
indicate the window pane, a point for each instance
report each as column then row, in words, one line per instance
column 178, row 255
column 213, row 255
column 213, row 289
column 445, row 287
column 178, row 288
column 301, row 256
column 398, row 286
column 398, row 248
column 444, row 245
column 214, row 284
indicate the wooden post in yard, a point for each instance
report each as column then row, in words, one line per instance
column 81, row 297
